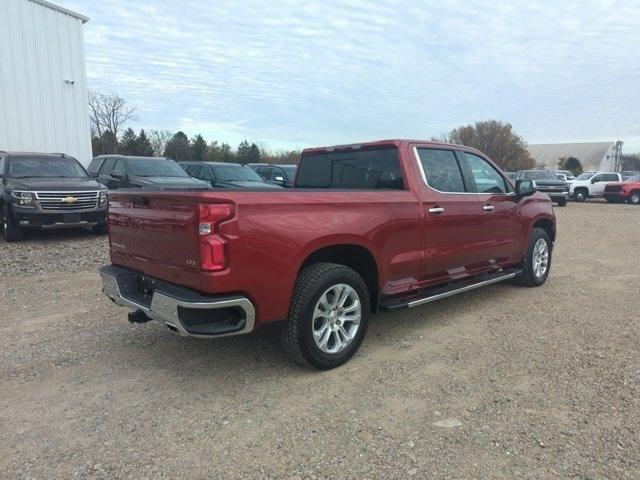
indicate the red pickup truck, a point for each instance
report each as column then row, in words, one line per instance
column 625, row 191
column 376, row 226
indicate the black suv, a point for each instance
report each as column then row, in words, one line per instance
column 46, row 191
column 226, row 175
column 282, row 175
column 547, row 182
column 119, row 171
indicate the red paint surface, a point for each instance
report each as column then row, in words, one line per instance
column 271, row 234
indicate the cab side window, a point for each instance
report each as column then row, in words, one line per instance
column 107, row 166
column 1, row 166
column 119, row 166
column 485, row 178
column 194, row 170
column 441, row 170
column 206, row 174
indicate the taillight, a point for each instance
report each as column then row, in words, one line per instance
column 212, row 246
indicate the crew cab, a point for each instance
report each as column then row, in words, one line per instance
column 591, row 184
column 123, row 171
column 47, row 191
column 625, row 191
column 384, row 225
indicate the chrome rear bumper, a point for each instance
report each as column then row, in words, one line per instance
column 185, row 311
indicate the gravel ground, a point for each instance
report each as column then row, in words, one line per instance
column 503, row 382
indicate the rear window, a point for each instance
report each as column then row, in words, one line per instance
column 360, row 169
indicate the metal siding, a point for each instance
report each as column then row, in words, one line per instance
column 39, row 112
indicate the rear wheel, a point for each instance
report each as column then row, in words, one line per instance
column 100, row 229
column 328, row 317
column 537, row 260
column 634, row 198
column 580, row 195
column 10, row 231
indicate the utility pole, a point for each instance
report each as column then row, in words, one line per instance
column 617, row 156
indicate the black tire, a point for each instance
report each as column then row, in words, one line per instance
column 634, row 198
column 100, row 229
column 580, row 194
column 528, row 277
column 562, row 203
column 296, row 333
column 10, row 231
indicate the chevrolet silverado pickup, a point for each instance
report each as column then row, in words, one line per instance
column 376, row 226
column 626, row 191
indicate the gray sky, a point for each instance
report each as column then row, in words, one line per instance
column 295, row 74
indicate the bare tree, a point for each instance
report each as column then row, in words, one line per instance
column 108, row 112
column 496, row 139
column 159, row 139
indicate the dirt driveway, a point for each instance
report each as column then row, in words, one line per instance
column 503, row 382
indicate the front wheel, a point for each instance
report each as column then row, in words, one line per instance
column 10, row 231
column 635, row 198
column 328, row 317
column 537, row 259
column 580, row 195
column 562, row 202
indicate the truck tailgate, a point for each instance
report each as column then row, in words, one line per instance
column 156, row 233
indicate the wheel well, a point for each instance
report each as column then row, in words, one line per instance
column 547, row 226
column 581, row 189
column 353, row 256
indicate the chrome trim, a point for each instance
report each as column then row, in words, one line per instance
column 83, row 223
column 424, row 177
column 164, row 308
column 466, row 288
column 436, row 210
column 488, row 208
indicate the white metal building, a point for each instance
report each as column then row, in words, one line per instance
column 43, row 84
column 595, row 156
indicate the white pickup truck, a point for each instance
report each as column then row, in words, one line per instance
column 591, row 184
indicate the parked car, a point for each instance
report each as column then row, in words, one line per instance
column 46, row 191
column 627, row 174
column 625, row 191
column 511, row 176
column 282, row 175
column 376, row 226
column 568, row 176
column 591, row 184
column 225, row 175
column 120, row 171
column 549, row 183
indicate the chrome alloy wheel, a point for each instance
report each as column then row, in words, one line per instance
column 336, row 318
column 540, row 258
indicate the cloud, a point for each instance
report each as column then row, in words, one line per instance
column 310, row 73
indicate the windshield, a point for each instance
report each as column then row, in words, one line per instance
column 46, row 167
column 584, row 176
column 289, row 171
column 539, row 175
column 154, row 167
column 232, row 173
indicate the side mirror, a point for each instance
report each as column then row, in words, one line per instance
column 525, row 188
column 93, row 174
column 594, row 179
column 117, row 174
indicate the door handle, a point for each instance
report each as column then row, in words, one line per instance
column 436, row 210
column 488, row 208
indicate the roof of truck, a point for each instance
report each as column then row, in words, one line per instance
column 398, row 142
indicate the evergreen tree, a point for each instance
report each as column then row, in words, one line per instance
column 109, row 142
column 178, row 148
column 226, row 153
column 254, row 154
column 244, row 152
column 144, row 145
column 198, row 148
column 129, row 142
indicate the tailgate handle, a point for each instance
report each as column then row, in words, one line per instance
column 140, row 201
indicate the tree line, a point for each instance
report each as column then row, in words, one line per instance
column 109, row 113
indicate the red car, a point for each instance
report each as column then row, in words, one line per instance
column 376, row 226
column 626, row 191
